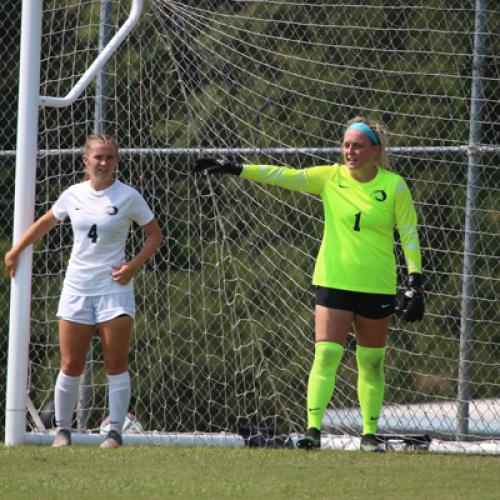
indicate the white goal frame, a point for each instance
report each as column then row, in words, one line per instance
column 19, row 407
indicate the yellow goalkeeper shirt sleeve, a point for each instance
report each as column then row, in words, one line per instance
column 357, row 249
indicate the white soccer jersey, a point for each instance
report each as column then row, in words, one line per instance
column 101, row 222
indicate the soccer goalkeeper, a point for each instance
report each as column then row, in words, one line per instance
column 355, row 271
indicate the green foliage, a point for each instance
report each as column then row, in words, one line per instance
column 225, row 307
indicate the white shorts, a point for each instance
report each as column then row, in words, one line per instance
column 97, row 308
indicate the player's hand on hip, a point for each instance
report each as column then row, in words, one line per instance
column 217, row 166
column 412, row 307
column 123, row 273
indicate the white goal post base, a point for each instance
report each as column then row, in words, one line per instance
column 228, row 440
column 351, row 443
column 195, row 440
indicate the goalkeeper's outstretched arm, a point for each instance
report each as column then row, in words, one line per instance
column 309, row 180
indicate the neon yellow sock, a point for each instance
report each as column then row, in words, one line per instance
column 321, row 383
column 371, row 383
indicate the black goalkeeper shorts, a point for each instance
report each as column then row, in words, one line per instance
column 368, row 305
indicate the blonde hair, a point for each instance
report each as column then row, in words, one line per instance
column 103, row 139
column 381, row 133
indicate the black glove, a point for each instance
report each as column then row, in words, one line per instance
column 412, row 306
column 216, row 166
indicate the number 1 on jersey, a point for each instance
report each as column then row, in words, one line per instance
column 92, row 234
column 357, row 218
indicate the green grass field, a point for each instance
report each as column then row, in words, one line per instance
column 153, row 472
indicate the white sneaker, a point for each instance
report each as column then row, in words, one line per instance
column 62, row 439
column 113, row 440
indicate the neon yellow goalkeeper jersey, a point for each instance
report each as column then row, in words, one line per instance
column 357, row 249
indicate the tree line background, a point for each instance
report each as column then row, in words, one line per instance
column 224, row 325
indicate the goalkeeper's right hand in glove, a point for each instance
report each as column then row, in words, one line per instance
column 412, row 306
column 217, row 166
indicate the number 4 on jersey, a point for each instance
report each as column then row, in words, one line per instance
column 92, row 234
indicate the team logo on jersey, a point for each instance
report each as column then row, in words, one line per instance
column 379, row 195
column 112, row 210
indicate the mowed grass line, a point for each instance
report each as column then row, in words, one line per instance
column 153, row 472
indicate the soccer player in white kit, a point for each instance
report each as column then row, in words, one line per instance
column 98, row 290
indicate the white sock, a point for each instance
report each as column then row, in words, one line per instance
column 65, row 396
column 119, row 400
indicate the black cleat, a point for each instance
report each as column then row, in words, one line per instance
column 311, row 440
column 370, row 442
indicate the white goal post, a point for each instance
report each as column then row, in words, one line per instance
column 223, row 338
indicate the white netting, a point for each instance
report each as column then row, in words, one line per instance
column 224, row 331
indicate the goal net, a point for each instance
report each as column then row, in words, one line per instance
column 224, row 335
